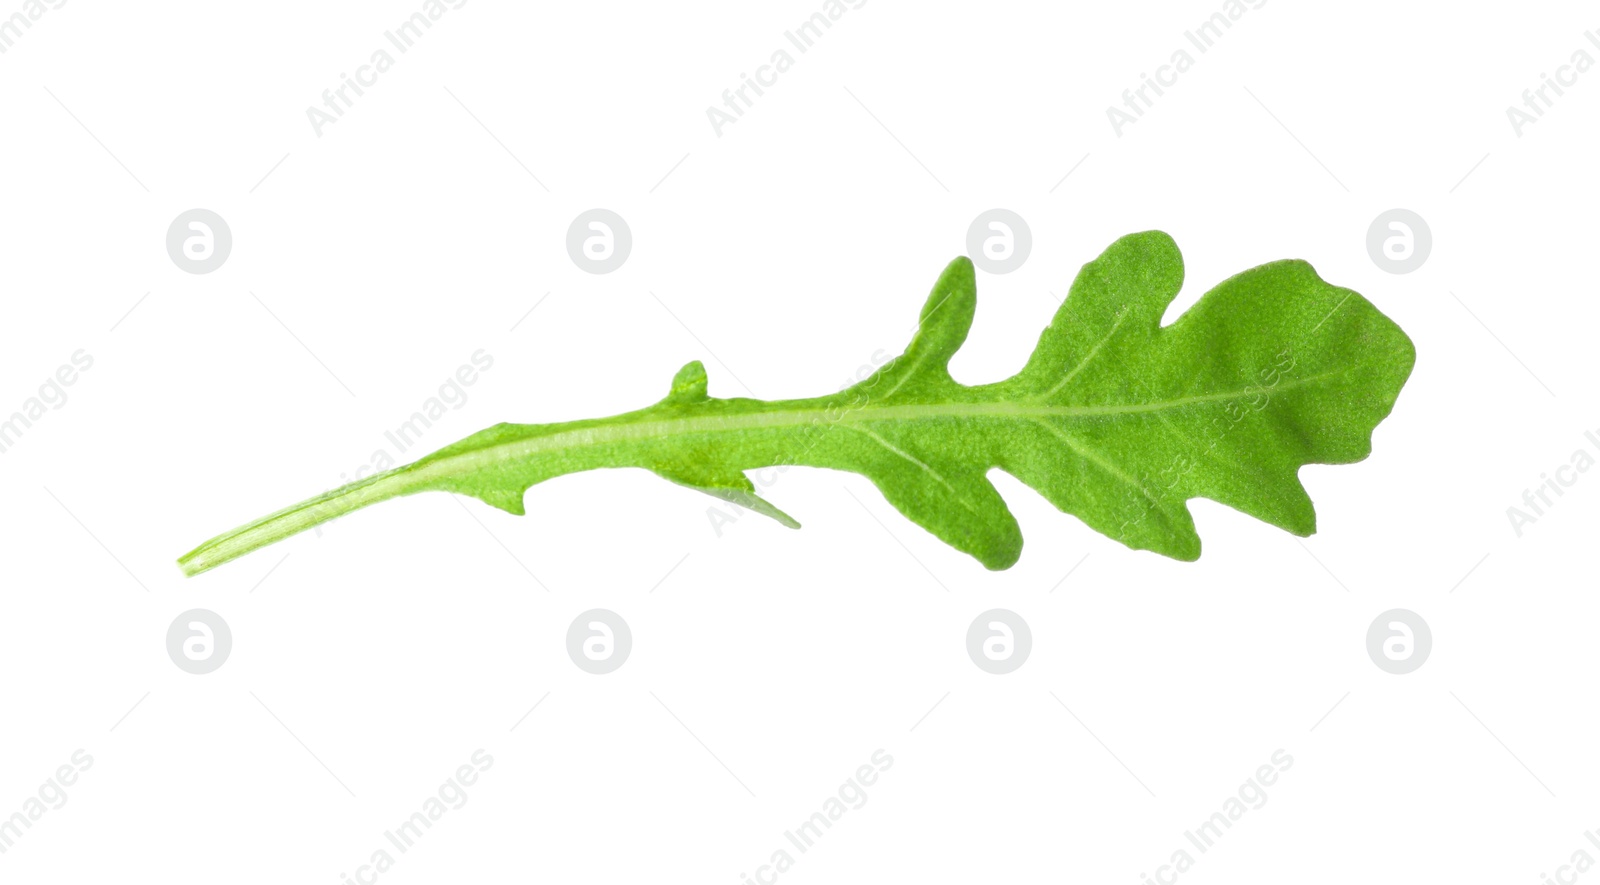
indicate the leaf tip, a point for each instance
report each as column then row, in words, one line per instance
column 1000, row 560
column 689, row 385
column 509, row 500
column 1187, row 552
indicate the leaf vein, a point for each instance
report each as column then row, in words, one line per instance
column 1089, row 454
column 1093, row 352
column 919, row 463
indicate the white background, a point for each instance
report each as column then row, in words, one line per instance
column 769, row 664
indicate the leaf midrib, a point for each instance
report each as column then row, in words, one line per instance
column 816, row 412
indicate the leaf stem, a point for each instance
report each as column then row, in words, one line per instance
column 292, row 520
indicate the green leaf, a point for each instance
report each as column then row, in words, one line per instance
column 1115, row 419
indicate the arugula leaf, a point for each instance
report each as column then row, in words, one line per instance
column 1114, row 419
